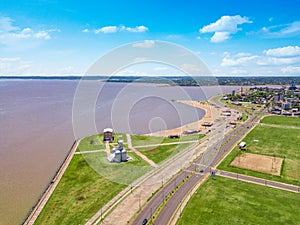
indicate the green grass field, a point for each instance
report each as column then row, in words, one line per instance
column 140, row 140
column 95, row 142
column 282, row 120
column 124, row 173
column 79, row 195
column 161, row 153
column 230, row 202
column 271, row 141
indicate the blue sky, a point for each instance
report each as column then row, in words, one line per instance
column 233, row 37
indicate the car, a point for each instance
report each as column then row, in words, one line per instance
column 145, row 221
column 201, row 171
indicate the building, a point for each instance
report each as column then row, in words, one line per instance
column 293, row 86
column 207, row 124
column 118, row 154
column 286, row 106
column 108, row 134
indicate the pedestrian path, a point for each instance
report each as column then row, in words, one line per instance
column 260, row 181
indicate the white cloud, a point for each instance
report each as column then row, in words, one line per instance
column 238, row 60
column 281, row 31
column 283, row 52
column 14, row 66
column 291, row 70
column 42, row 35
column 220, row 37
column 137, row 29
column 144, row 44
column 10, row 34
column 85, row 30
column 107, row 29
column 268, row 61
column 271, row 60
column 114, row 29
column 6, row 24
column 224, row 27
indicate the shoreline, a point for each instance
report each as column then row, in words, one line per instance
column 194, row 126
column 35, row 211
column 197, row 125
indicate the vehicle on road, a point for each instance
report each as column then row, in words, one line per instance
column 145, row 221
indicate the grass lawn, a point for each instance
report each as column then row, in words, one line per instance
column 282, row 120
column 139, row 140
column 161, row 153
column 271, row 141
column 124, row 173
column 95, row 142
column 79, row 195
column 227, row 201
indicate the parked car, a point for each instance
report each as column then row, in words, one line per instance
column 145, row 221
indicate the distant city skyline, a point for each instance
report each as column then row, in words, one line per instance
column 233, row 38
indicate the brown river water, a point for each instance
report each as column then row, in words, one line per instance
column 36, row 128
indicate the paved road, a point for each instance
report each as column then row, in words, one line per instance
column 211, row 157
column 256, row 180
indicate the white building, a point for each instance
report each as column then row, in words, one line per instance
column 118, row 154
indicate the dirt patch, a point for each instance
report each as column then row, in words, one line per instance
column 260, row 163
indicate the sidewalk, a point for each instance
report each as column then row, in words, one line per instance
column 260, row 181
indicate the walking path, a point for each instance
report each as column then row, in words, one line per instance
column 256, row 180
column 107, row 148
column 39, row 207
column 279, row 126
column 145, row 158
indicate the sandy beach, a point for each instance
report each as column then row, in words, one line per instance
column 195, row 126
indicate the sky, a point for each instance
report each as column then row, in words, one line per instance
column 232, row 37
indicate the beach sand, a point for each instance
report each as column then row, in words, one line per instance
column 195, row 126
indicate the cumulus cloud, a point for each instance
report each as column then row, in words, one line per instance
column 283, row 52
column 42, row 35
column 144, row 44
column 114, row 29
column 220, row 37
column 107, row 29
column 9, row 33
column 137, row 29
column 224, row 27
column 85, row 30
